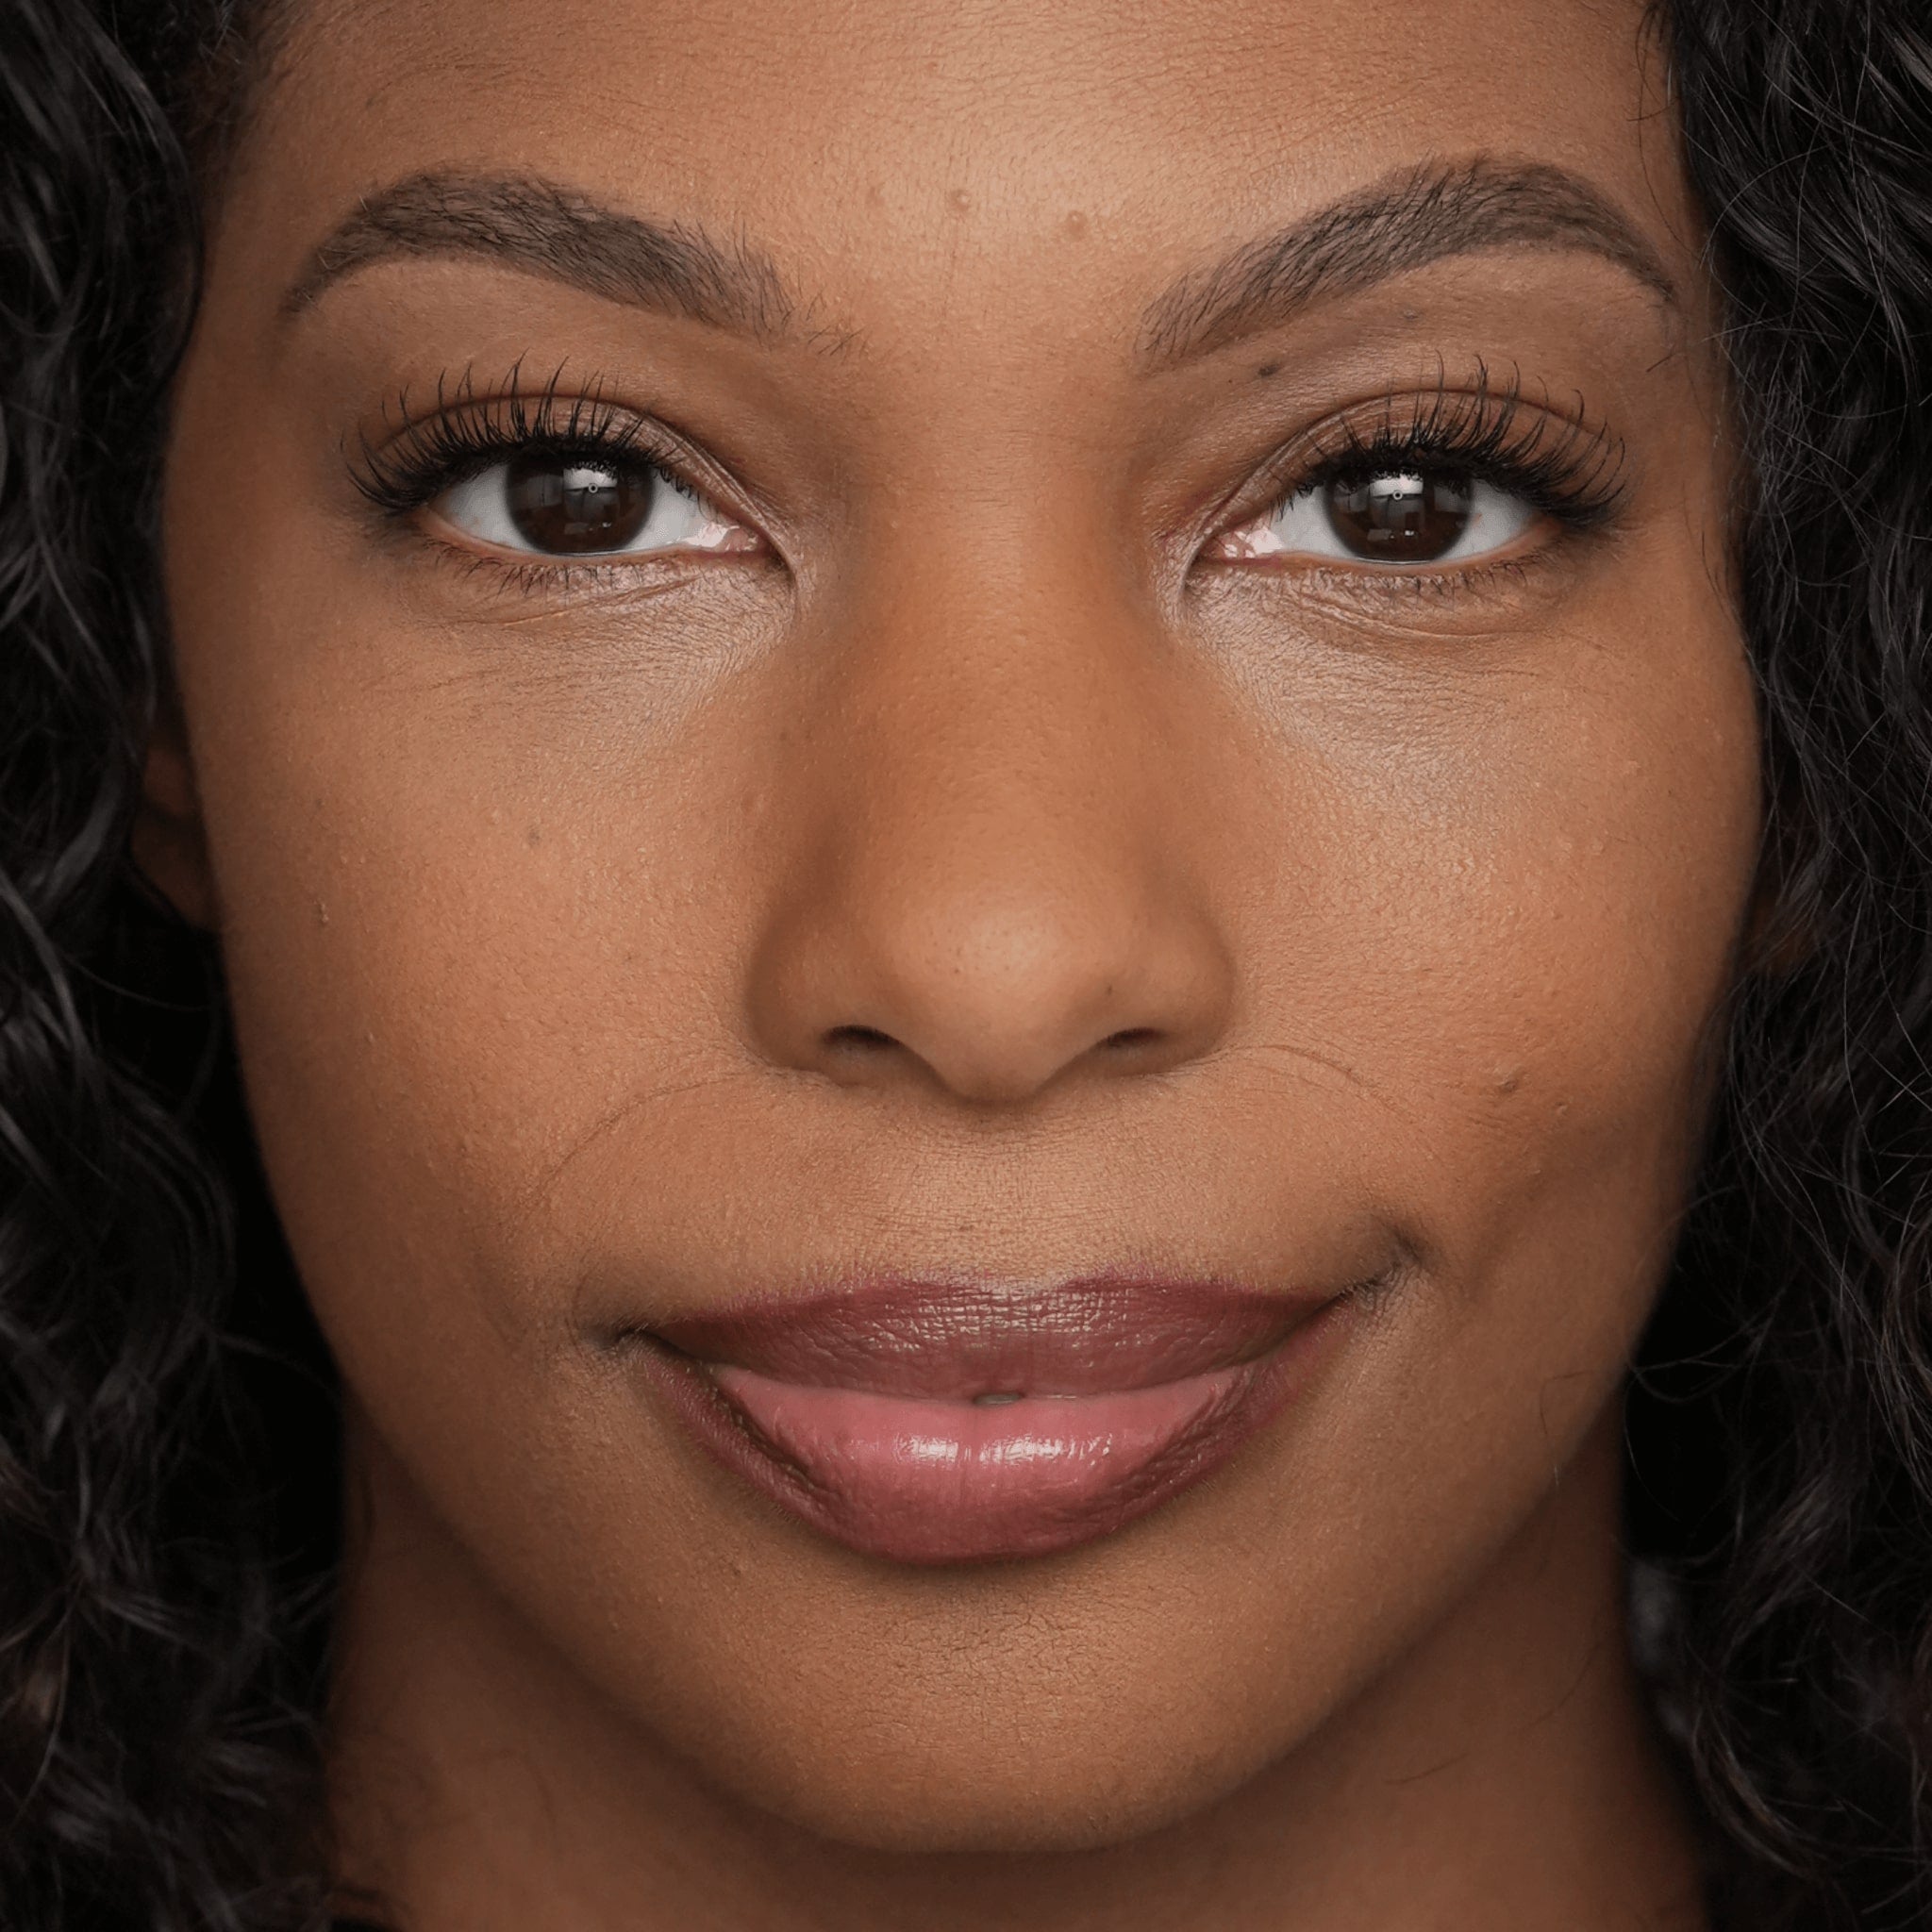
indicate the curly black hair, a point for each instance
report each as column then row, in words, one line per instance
column 168, row 1523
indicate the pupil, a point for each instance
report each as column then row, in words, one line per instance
column 580, row 508
column 1398, row 517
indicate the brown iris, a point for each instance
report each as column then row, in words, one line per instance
column 572, row 507
column 1398, row 517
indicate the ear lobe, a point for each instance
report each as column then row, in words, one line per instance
column 167, row 841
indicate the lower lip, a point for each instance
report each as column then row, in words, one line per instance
column 920, row 1479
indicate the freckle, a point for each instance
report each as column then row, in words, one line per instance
column 959, row 201
column 534, row 835
column 1076, row 225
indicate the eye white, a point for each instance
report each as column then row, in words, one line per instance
column 486, row 507
column 1304, row 525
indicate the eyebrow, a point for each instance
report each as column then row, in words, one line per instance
column 1423, row 215
column 526, row 223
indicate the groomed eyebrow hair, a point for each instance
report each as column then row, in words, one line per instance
column 1423, row 215
column 526, row 223
column 1420, row 216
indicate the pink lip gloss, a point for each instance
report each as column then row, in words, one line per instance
column 938, row 1425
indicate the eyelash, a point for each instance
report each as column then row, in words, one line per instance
column 1557, row 465
column 1570, row 473
column 463, row 436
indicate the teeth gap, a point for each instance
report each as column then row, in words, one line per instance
column 996, row 1398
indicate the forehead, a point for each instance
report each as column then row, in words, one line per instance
column 877, row 146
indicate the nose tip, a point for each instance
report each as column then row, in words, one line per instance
column 992, row 993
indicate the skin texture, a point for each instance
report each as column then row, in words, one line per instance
column 1295, row 925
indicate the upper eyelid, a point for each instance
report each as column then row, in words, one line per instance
column 508, row 420
column 1421, row 420
column 494, row 444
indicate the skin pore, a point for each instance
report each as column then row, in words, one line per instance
column 981, row 846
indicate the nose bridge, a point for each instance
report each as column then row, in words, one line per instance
column 1001, row 717
column 990, row 884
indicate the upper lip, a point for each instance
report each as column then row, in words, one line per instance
column 963, row 1340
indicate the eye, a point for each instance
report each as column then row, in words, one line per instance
column 1389, row 516
column 548, row 505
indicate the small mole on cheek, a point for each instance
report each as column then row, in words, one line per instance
column 1268, row 369
column 534, row 836
column 959, row 201
column 1076, row 225
column 1509, row 1078
column 321, row 913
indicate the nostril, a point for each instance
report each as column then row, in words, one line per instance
column 866, row 1040
column 858, row 1054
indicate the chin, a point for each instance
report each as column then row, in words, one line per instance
column 996, row 1817
column 1044, row 1791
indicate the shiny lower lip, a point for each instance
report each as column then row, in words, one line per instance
column 940, row 1425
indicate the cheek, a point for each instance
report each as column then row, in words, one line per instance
column 1520, row 919
column 458, row 961
column 1505, row 911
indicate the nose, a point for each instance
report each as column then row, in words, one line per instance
column 992, row 881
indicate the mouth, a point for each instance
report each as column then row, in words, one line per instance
column 933, row 1424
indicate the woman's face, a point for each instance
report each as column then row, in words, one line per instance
column 1177, row 744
